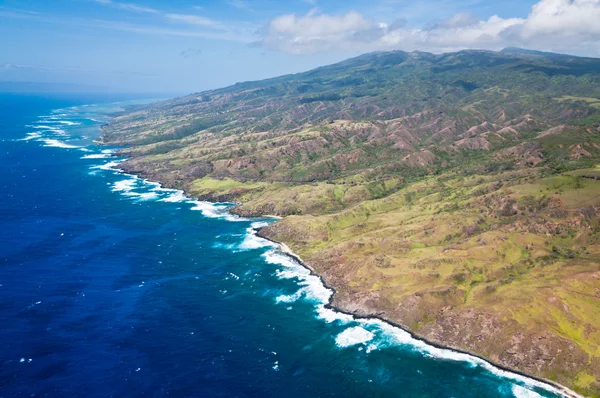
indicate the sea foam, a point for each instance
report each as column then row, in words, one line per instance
column 97, row 156
column 521, row 392
column 380, row 334
column 251, row 241
column 352, row 336
column 372, row 329
column 212, row 210
column 58, row 144
column 31, row 136
column 109, row 166
column 176, row 196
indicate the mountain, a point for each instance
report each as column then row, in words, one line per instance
column 456, row 195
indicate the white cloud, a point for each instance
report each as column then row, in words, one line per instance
column 240, row 34
column 558, row 25
column 128, row 6
column 195, row 20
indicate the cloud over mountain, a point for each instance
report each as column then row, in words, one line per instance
column 557, row 25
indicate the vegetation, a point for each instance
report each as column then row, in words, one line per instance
column 455, row 194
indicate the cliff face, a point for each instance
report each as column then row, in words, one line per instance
column 454, row 194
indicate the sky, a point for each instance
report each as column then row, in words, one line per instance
column 184, row 46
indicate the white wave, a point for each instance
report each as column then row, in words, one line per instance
column 58, row 144
column 388, row 335
column 259, row 224
column 97, row 156
column 289, row 298
column 352, row 336
column 68, row 123
column 108, row 151
column 146, row 195
column 124, row 185
column 219, row 245
column 52, row 129
column 330, row 316
column 401, row 337
column 251, row 241
column 521, row 392
column 177, row 196
column 212, row 210
column 127, row 187
column 30, row 136
column 310, row 285
column 110, row 166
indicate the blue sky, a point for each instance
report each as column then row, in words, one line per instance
column 192, row 45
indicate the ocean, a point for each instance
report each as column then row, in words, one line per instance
column 113, row 286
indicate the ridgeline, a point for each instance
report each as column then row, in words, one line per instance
column 457, row 195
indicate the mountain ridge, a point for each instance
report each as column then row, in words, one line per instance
column 454, row 194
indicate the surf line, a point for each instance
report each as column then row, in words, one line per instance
column 436, row 350
column 218, row 210
column 421, row 342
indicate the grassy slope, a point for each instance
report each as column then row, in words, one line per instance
column 427, row 189
column 414, row 258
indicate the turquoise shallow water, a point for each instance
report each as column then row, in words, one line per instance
column 113, row 286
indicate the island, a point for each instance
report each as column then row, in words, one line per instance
column 455, row 195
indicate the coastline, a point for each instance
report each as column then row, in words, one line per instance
column 288, row 252
column 563, row 390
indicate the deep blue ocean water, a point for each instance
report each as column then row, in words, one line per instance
column 111, row 286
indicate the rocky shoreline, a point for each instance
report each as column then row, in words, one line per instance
column 363, row 313
column 339, row 308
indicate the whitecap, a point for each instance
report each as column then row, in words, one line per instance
column 397, row 336
column 31, row 136
column 311, row 285
column 219, row 245
column 289, row 298
column 521, row 392
column 58, row 144
column 97, row 156
column 251, row 241
column 146, row 195
column 212, row 210
column 52, row 129
column 68, row 123
column 176, row 196
column 124, row 185
column 110, row 166
column 314, row 290
column 259, row 224
column 330, row 316
column 352, row 336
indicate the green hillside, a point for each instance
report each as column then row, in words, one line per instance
column 454, row 194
